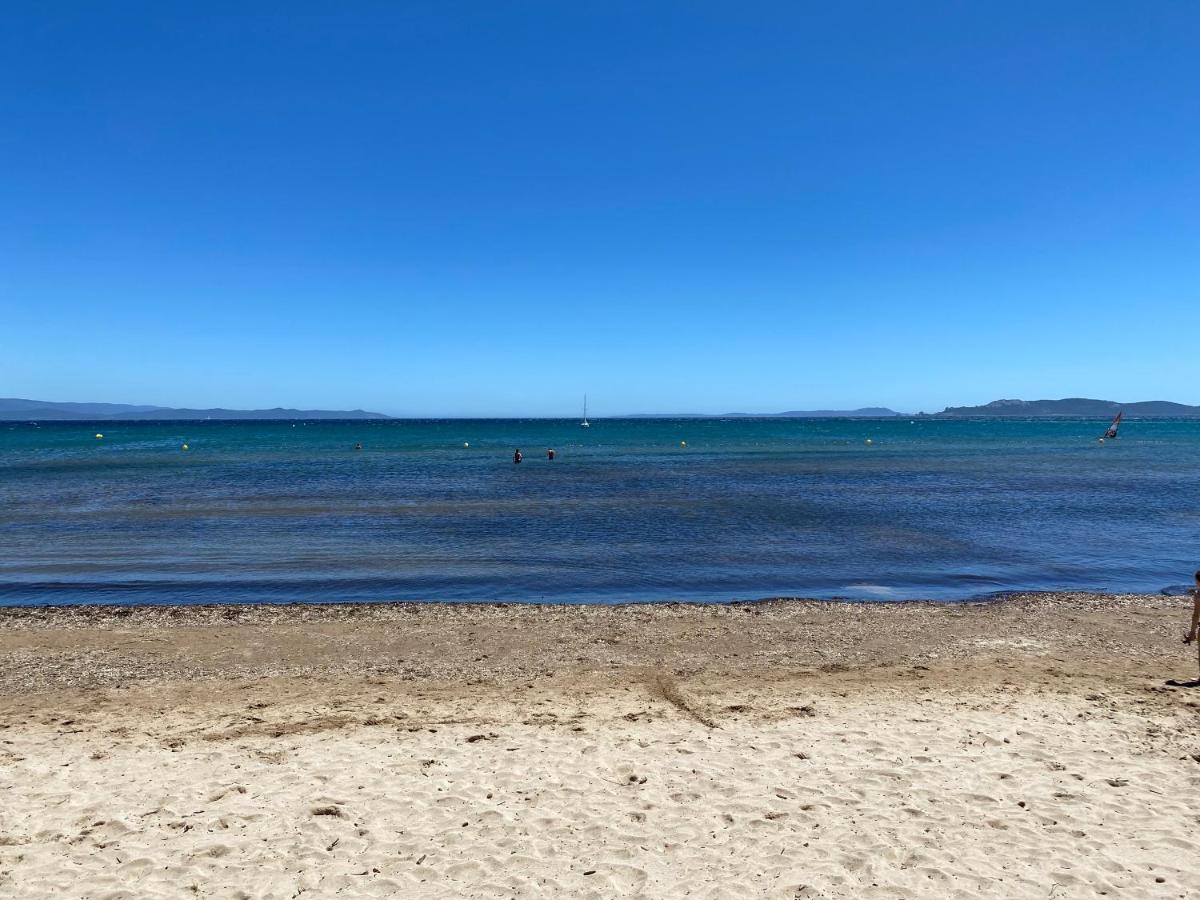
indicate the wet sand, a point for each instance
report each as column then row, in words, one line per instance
column 1028, row 747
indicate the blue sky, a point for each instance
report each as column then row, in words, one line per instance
column 491, row 208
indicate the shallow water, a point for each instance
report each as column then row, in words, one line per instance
column 280, row 512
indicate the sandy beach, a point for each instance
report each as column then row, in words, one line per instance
column 1028, row 747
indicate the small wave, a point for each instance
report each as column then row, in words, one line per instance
column 1175, row 590
column 874, row 590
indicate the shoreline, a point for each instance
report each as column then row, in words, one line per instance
column 789, row 749
column 975, row 599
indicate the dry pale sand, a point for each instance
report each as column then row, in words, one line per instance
column 1024, row 748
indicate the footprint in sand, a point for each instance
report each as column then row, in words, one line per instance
column 222, row 793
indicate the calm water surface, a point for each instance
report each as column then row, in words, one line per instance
column 276, row 511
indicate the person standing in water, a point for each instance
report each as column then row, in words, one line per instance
column 517, row 456
column 550, row 454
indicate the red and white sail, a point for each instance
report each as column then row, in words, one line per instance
column 1112, row 429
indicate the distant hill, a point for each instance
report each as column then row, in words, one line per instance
column 13, row 409
column 868, row 412
column 1071, row 406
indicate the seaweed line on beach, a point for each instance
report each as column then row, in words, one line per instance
column 664, row 687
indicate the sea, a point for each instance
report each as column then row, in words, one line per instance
column 630, row 510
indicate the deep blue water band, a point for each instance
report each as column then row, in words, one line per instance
column 436, row 510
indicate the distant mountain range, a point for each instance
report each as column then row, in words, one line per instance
column 12, row 409
column 867, row 412
column 1071, row 406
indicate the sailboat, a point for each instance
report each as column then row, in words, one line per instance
column 585, row 423
column 1116, row 423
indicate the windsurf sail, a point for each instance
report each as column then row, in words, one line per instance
column 1112, row 429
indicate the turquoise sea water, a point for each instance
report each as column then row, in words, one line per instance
column 750, row 508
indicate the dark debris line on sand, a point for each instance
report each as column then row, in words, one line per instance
column 103, row 646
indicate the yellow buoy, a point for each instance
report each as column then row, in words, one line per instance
column 869, row 441
column 683, row 443
column 98, row 435
column 465, row 444
column 185, row 447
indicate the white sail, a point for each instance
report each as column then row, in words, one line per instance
column 585, row 423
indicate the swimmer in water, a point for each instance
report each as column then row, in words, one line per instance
column 517, row 456
column 550, row 454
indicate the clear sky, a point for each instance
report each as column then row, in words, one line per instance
column 453, row 208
